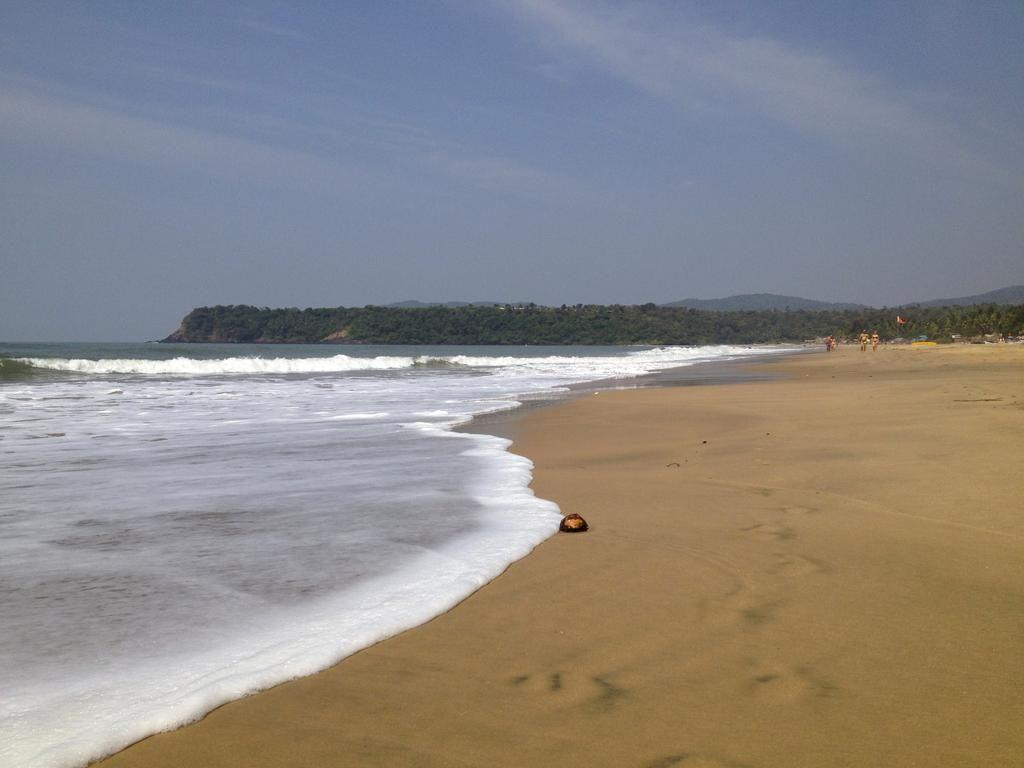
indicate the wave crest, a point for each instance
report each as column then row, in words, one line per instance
column 12, row 368
column 572, row 367
column 187, row 366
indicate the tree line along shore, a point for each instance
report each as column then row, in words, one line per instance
column 587, row 324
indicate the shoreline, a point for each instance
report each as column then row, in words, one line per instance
column 806, row 587
column 704, row 373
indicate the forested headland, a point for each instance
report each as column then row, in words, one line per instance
column 584, row 324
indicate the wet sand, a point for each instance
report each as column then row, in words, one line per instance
column 823, row 569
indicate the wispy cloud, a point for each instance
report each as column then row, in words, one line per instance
column 77, row 126
column 704, row 69
column 501, row 174
column 44, row 113
column 193, row 79
column 264, row 27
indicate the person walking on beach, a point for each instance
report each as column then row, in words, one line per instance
column 874, row 340
column 863, row 340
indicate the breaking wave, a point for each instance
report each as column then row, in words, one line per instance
column 634, row 362
column 11, row 368
column 230, row 366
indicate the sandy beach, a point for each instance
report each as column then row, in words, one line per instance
column 823, row 569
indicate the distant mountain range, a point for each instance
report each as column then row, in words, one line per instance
column 1013, row 294
column 759, row 301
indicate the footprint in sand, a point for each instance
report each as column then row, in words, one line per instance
column 595, row 693
column 694, row 760
column 798, row 565
column 779, row 531
column 762, row 612
column 802, row 683
column 797, row 510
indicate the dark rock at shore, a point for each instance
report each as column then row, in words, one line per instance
column 573, row 524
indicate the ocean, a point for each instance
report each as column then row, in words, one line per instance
column 181, row 525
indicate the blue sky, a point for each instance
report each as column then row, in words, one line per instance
column 161, row 156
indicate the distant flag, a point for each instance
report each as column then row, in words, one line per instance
column 901, row 320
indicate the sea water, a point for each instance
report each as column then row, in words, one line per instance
column 183, row 525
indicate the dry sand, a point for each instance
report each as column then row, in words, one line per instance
column 823, row 570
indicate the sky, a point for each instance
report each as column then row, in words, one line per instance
column 155, row 157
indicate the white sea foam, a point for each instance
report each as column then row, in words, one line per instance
column 187, row 366
column 75, row 721
column 632, row 363
column 202, row 530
